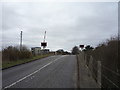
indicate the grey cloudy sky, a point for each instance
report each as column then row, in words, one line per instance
column 67, row 23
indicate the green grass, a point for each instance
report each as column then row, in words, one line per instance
column 7, row 64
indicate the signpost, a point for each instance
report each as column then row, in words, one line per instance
column 81, row 46
column 44, row 44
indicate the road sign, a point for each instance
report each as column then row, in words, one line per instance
column 81, row 46
column 44, row 44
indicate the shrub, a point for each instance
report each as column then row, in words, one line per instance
column 15, row 53
column 107, row 52
column 75, row 50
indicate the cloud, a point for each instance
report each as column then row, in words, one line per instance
column 67, row 24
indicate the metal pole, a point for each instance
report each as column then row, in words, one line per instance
column 21, row 40
column 44, row 36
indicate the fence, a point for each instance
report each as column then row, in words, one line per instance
column 95, row 68
column 104, row 76
column 110, row 78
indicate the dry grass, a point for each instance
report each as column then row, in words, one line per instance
column 14, row 55
column 7, row 64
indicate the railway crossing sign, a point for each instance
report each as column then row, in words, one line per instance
column 81, row 46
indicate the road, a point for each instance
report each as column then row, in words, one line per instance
column 57, row 71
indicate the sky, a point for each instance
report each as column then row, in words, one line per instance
column 67, row 24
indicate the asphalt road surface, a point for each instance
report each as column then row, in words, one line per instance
column 52, row 72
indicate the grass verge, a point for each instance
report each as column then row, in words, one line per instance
column 8, row 64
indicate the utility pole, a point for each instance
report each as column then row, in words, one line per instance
column 21, row 40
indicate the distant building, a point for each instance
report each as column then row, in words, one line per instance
column 45, row 51
column 38, row 51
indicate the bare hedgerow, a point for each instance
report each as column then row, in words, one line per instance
column 12, row 53
column 107, row 52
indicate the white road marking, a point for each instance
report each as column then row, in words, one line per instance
column 32, row 73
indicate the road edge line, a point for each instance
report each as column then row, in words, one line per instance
column 31, row 73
